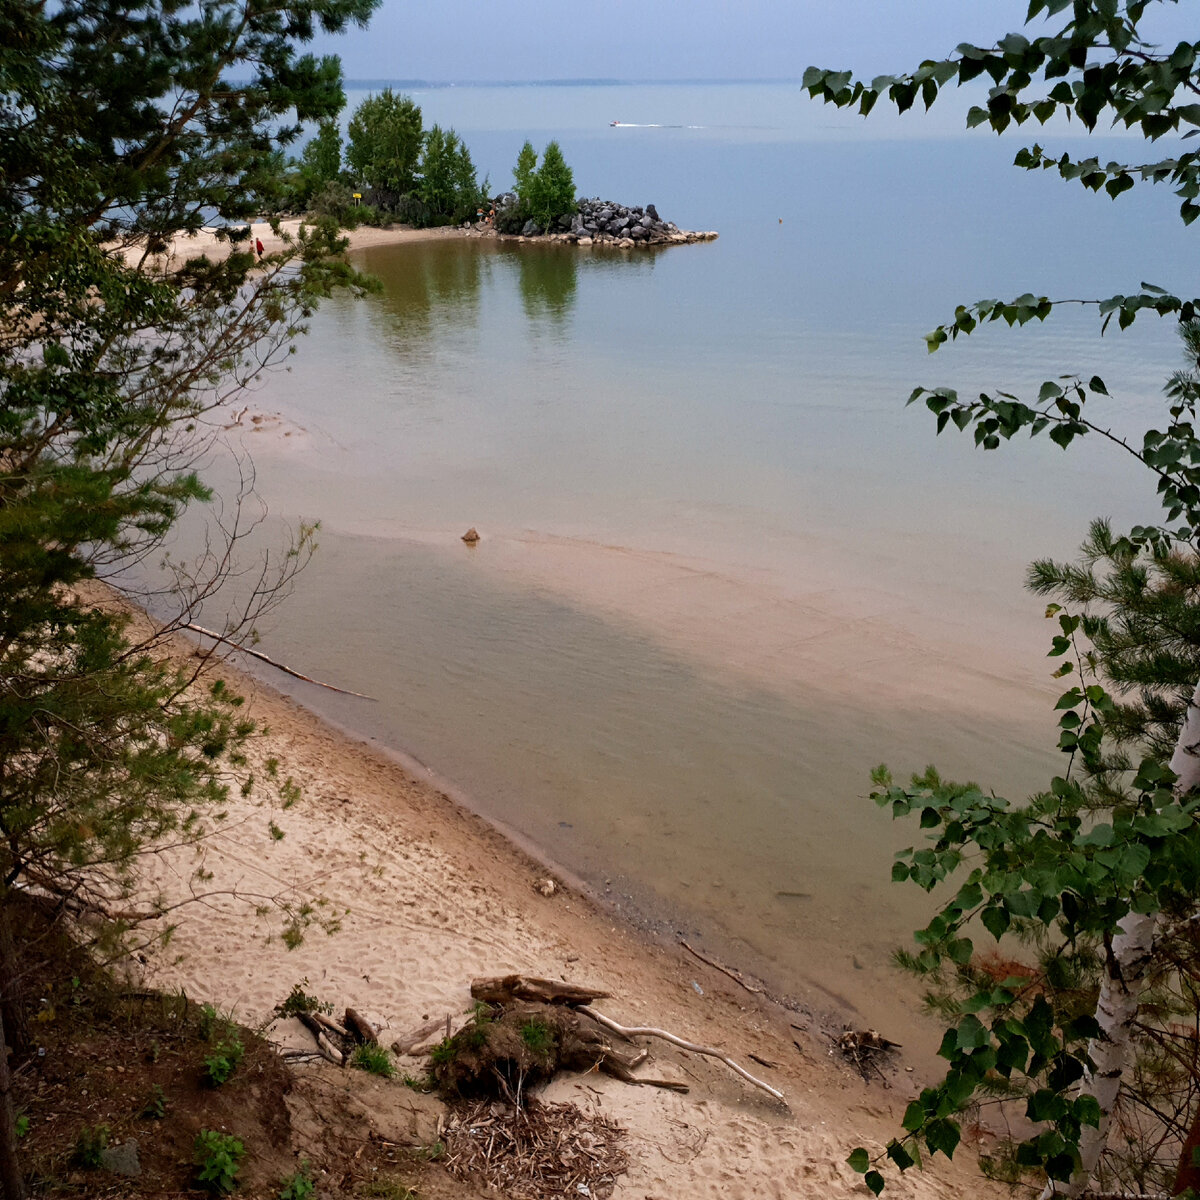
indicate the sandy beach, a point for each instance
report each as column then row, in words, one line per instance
column 425, row 896
column 428, row 896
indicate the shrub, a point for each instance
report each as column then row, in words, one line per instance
column 334, row 199
column 218, row 1157
column 223, row 1061
column 299, row 1186
column 155, row 1108
column 299, row 1001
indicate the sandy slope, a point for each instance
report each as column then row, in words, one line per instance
column 429, row 896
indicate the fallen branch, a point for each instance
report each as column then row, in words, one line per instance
column 736, row 976
column 220, row 637
column 649, row 1031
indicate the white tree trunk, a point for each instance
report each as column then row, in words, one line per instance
column 1121, row 988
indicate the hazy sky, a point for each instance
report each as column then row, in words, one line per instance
column 449, row 40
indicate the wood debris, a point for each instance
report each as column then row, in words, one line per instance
column 863, row 1047
column 539, row 1151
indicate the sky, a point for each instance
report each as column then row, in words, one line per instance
column 525, row 40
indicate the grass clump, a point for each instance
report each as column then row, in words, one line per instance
column 372, row 1058
column 386, row 1189
column 537, row 1036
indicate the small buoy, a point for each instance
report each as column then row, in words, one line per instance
column 471, row 536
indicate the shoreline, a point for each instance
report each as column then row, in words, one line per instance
column 652, row 918
column 368, row 236
column 430, row 895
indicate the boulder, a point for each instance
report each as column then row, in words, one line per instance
column 531, row 228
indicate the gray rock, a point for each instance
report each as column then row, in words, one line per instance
column 122, row 1159
column 652, row 213
column 530, row 228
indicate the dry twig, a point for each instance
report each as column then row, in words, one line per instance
column 220, row 637
column 736, row 976
column 650, row 1031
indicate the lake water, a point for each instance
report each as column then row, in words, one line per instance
column 724, row 571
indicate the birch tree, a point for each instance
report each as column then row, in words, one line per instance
column 1093, row 866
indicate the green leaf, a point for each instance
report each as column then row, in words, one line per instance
column 914, row 1116
column 995, row 920
column 859, row 1160
column 874, row 1181
column 972, row 1034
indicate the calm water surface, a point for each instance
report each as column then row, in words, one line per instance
column 723, row 570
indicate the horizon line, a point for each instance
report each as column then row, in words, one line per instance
column 385, row 81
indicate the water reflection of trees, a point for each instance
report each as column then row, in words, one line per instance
column 547, row 279
column 548, row 276
column 427, row 285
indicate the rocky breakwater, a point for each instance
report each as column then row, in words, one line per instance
column 595, row 222
column 601, row 222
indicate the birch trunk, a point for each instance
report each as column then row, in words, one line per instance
column 1121, row 988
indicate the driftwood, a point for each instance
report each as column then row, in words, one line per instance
column 330, row 1025
column 610, row 1066
column 736, row 976
column 361, row 1030
column 649, row 1031
column 506, row 989
column 409, row 1043
column 331, row 1052
column 220, row 637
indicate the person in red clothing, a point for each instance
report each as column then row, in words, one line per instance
column 258, row 246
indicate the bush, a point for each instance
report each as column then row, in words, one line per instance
column 299, row 1001
column 90, row 1146
column 334, row 199
column 218, row 1157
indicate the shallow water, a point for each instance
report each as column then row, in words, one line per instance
column 723, row 570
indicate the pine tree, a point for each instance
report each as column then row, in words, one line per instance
column 123, row 131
